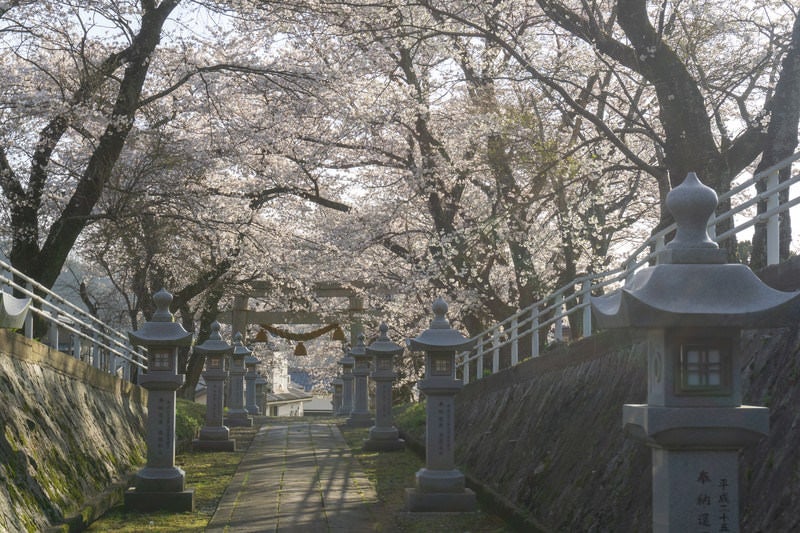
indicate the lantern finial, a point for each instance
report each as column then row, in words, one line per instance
column 692, row 204
column 162, row 299
column 214, row 335
column 439, row 314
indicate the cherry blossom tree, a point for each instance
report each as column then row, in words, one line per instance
column 702, row 86
column 488, row 151
column 82, row 78
column 466, row 164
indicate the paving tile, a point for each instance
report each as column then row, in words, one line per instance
column 296, row 477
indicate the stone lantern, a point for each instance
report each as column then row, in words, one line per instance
column 250, row 362
column 440, row 486
column 160, row 484
column 214, row 436
column 237, row 414
column 347, row 363
column 360, row 415
column 691, row 308
column 383, row 436
column 261, row 391
column 336, row 405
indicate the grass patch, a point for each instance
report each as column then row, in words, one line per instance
column 208, row 473
column 189, row 418
column 410, row 418
column 392, row 473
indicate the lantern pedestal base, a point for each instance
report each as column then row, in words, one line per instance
column 384, row 445
column 441, row 502
column 239, row 420
column 160, row 488
column 205, row 445
column 176, row 502
column 360, row 420
column 383, row 440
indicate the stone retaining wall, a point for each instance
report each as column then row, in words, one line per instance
column 70, row 433
column 547, row 437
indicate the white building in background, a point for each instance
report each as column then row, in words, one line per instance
column 285, row 399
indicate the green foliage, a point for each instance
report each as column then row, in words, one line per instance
column 744, row 252
column 410, row 418
column 189, row 418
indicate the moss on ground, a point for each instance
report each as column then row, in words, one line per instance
column 392, row 473
column 208, row 473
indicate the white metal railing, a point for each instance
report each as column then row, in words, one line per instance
column 88, row 338
column 545, row 318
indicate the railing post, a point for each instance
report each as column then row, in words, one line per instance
column 29, row 316
column 660, row 245
column 535, row 333
column 586, row 294
column 711, row 229
column 495, row 352
column 479, row 363
column 629, row 271
column 53, row 332
column 514, row 342
column 773, row 222
column 465, row 368
column 76, row 346
column 96, row 350
column 558, row 315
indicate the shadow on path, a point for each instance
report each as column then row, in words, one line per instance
column 296, row 476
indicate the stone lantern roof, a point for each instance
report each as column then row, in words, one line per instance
column 440, row 336
column 360, row 349
column 239, row 349
column 348, row 359
column 161, row 329
column 383, row 346
column 692, row 286
column 214, row 345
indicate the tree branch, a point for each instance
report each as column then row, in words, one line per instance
column 266, row 195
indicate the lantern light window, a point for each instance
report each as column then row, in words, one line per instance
column 441, row 365
column 161, row 360
column 704, row 369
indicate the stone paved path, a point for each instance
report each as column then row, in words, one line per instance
column 296, row 477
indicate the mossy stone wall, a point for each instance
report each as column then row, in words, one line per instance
column 69, row 433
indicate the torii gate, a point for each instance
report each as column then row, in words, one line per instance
column 241, row 316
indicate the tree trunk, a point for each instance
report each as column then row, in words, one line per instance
column 44, row 264
column 195, row 362
column 784, row 109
